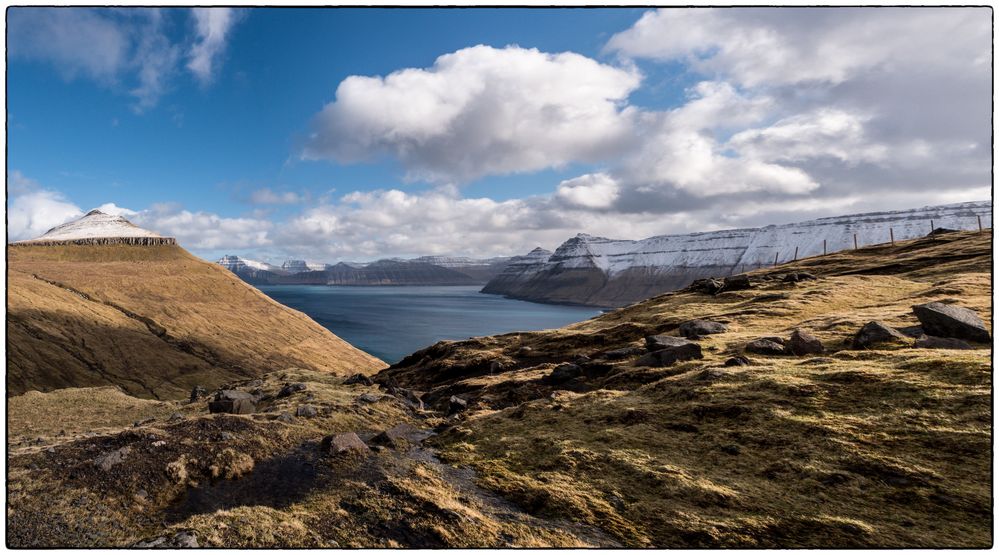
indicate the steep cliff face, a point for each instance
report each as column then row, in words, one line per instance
column 609, row 272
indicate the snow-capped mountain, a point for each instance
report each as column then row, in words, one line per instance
column 237, row 264
column 96, row 227
column 299, row 266
column 614, row 272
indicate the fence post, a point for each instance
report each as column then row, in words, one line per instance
column 823, row 247
column 931, row 226
column 854, row 241
column 776, row 254
column 795, row 253
column 979, row 224
column 891, row 233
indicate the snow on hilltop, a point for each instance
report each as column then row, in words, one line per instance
column 235, row 264
column 96, row 227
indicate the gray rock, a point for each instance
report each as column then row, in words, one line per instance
column 397, row 437
column 931, row 342
column 306, row 411
column 410, row 398
column 456, row 404
column 696, row 328
column 175, row 417
column 737, row 361
column 285, row 417
column 737, row 283
column 358, row 379
column 107, row 461
column 795, row 277
column 291, row 388
column 347, row 444
column 948, row 320
column 562, row 374
column 667, row 350
column 768, row 346
column 874, row 333
column 803, row 343
column 708, row 286
column 232, row 401
column 369, row 398
column 183, row 540
column 622, row 353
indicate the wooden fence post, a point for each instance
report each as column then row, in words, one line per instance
column 854, row 241
column 823, row 247
column 931, row 226
column 891, row 233
column 979, row 224
column 776, row 254
column 795, row 253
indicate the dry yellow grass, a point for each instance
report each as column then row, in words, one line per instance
column 154, row 320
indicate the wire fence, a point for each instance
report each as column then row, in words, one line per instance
column 858, row 242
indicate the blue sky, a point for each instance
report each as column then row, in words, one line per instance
column 226, row 129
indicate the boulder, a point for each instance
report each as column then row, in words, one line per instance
column 875, row 332
column 397, row 437
column 340, row 445
column 667, row 351
column 737, row 361
column 233, row 402
column 369, row 398
column 708, row 286
column 285, row 417
column 288, row 389
column 198, row 392
column 803, row 343
column 941, row 231
column 931, row 342
column 562, row 373
column 948, row 320
column 456, row 404
column 737, row 283
column 795, row 277
column 769, row 346
column 408, row 397
column 358, row 379
column 625, row 352
column 306, row 411
column 696, row 328
column 108, row 460
column 181, row 540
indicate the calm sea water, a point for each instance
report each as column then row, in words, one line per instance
column 392, row 322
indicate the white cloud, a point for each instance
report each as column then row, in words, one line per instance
column 32, row 210
column 213, row 26
column 592, row 190
column 267, row 196
column 126, row 50
column 204, row 230
column 480, row 111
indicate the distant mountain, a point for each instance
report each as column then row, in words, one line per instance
column 612, row 272
column 426, row 270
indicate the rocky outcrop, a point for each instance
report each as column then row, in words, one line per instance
column 947, row 320
column 878, row 333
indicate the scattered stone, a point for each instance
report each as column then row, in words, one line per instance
column 138, row 423
column 344, row 445
column 737, row 361
column 941, row 231
column 581, row 359
column 876, row 332
column 624, row 352
column 197, row 393
column 695, row 328
column 562, row 374
column 306, row 411
column 369, row 398
column 226, row 436
column 948, row 320
column 931, row 342
column 285, row 417
column 795, row 277
column 456, row 404
column 768, row 346
column 159, row 443
column 108, row 460
column 233, row 402
column 803, row 343
column 525, row 352
column 397, row 437
column 410, row 398
column 175, row 417
column 710, row 375
column 495, row 367
column 291, row 388
column 358, row 379
column 141, row 495
column 709, row 286
column 737, row 283
column 667, row 350
column 185, row 539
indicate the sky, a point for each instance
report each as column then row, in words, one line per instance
column 354, row 134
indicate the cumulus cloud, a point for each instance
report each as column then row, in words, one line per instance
column 212, row 26
column 480, row 111
column 593, row 190
column 33, row 210
column 126, row 50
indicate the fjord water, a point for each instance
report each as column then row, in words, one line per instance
column 392, row 322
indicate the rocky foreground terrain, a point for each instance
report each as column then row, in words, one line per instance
column 841, row 401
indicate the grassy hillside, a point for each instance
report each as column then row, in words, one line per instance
column 886, row 447
column 154, row 320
